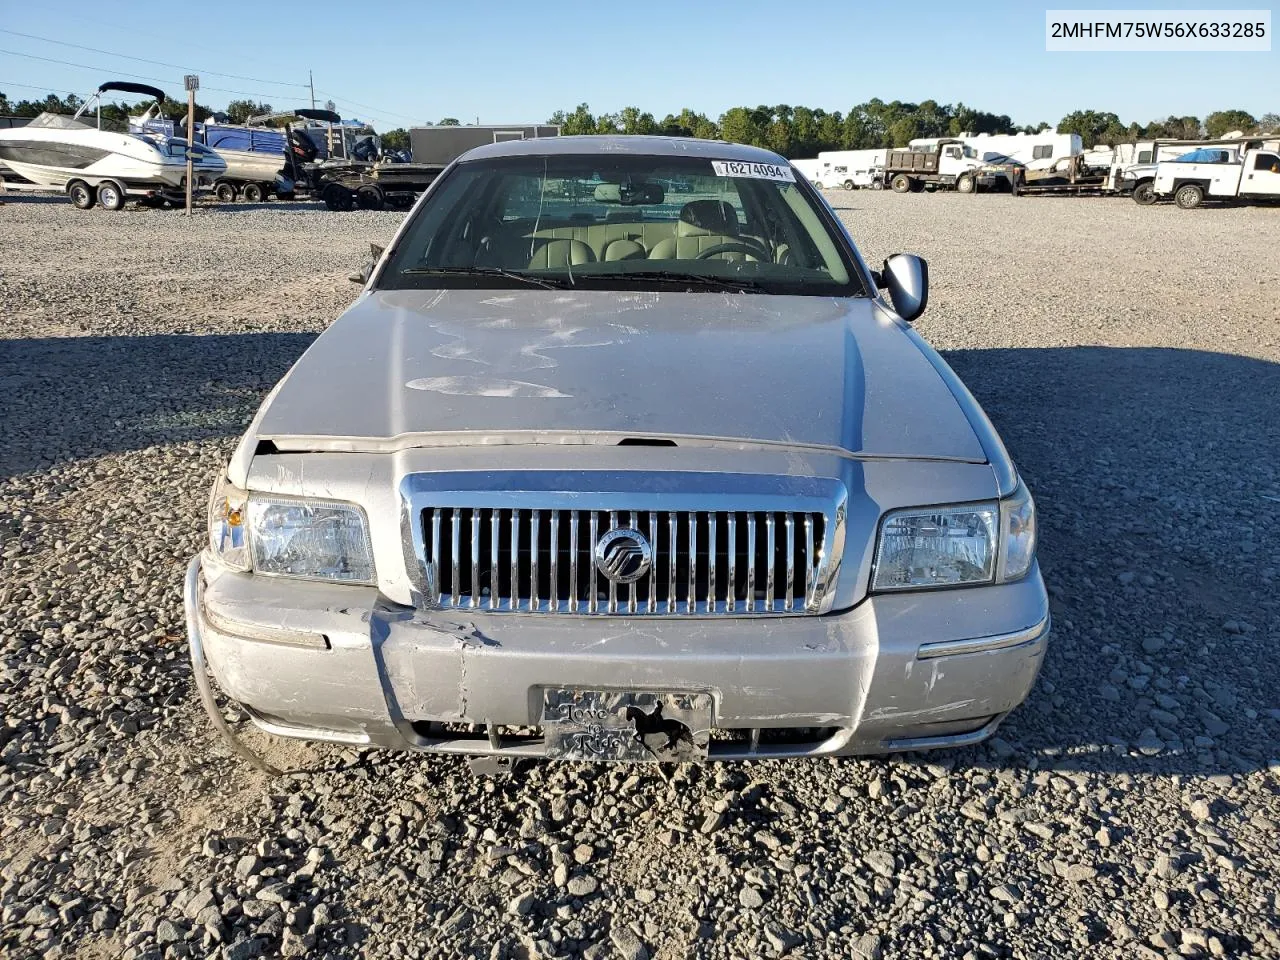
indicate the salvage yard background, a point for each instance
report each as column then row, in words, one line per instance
column 1127, row 355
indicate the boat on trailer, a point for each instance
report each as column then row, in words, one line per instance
column 107, row 167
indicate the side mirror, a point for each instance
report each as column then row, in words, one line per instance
column 906, row 277
column 361, row 276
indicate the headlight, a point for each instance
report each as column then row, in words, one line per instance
column 957, row 545
column 314, row 539
column 228, row 524
column 937, row 547
column 289, row 537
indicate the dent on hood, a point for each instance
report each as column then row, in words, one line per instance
column 486, row 387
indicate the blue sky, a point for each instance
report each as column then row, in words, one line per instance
column 504, row 61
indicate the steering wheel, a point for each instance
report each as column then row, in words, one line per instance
column 734, row 247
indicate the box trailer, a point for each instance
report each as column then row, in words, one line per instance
column 440, row 146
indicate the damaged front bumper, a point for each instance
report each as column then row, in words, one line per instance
column 342, row 664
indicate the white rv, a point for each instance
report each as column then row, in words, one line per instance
column 851, row 169
column 811, row 169
column 1035, row 151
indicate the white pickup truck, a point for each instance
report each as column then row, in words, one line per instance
column 1219, row 173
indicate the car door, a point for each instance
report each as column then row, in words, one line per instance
column 1262, row 175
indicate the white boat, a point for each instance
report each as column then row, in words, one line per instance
column 255, row 156
column 102, row 166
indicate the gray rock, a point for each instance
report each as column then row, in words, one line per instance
column 522, row 905
column 712, row 822
column 780, row 938
column 627, row 945
column 1007, row 893
column 244, row 950
column 461, row 919
column 750, row 898
column 867, row 947
column 41, row 915
column 582, row 885
column 247, row 866
column 881, row 862
column 168, row 932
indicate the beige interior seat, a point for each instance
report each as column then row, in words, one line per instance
column 624, row 249
column 560, row 253
column 703, row 224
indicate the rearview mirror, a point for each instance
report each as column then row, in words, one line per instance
column 906, row 277
column 362, row 275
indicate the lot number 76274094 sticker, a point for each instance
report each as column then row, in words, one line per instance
column 760, row 171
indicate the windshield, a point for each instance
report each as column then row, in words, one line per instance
column 623, row 222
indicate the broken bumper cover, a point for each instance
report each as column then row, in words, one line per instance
column 342, row 664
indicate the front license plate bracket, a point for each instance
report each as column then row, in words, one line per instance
column 635, row 727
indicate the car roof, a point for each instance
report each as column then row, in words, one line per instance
column 630, row 145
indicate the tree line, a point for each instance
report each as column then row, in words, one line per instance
column 115, row 116
column 790, row 131
column 804, row 132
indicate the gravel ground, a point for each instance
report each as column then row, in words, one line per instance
column 1130, row 809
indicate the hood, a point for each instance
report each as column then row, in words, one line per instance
column 409, row 368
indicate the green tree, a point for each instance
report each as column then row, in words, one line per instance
column 1177, row 128
column 449, row 122
column 738, row 125
column 581, row 121
column 636, row 123
column 397, row 139
column 830, row 129
column 1269, row 123
column 238, row 111
column 1224, row 121
column 1093, row 126
column 5, row 107
column 905, row 129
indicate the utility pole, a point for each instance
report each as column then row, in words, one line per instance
column 312, row 81
column 193, row 84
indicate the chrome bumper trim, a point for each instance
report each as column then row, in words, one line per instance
column 951, row 648
column 946, row 740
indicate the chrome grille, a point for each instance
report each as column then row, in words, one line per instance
column 730, row 562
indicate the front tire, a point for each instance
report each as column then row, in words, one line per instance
column 1144, row 193
column 1189, row 196
column 818, row 184
column 900, row 183
column 964, row 184
column 877, row 184
column 82, row 195
column 848, row 184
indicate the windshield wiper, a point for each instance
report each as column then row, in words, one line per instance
column 543, row 282
column 673, row 277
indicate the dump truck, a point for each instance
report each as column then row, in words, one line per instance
column 946, row 165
